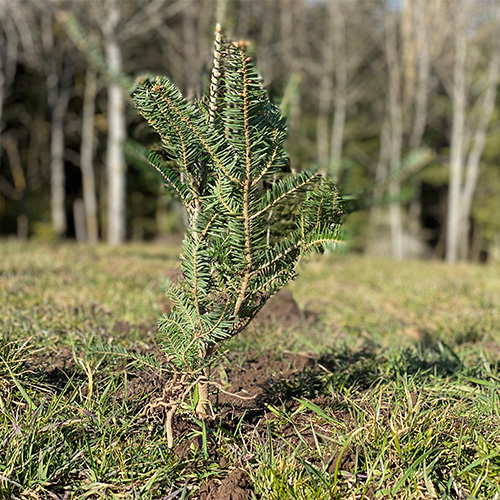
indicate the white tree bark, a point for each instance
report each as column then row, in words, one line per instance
column 57, row 175
column 87, row 156
column 381, row 172
column 115, row 158
column 3, row 52
column 396, row 132
column 59, row 82
column 423, row 74
column 457, row 140
column 474, row 157
column 344, row 51
column 325, row 95
column 340, row 94
column 293, row 36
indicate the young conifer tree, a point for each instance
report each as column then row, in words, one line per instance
column 228, row 166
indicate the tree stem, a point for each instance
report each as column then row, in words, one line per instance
column 170, row 433
column 203, row 401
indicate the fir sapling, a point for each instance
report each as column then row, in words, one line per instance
column 250, row 218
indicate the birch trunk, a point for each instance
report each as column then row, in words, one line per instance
column 59, row 81
column 423, row 74
column 457, row 143
column 396, row 133
column 324, row 103
column 60, row 98
column 57, row 175
column 115, row 157
column 340, row 94
column 381, row 172
column 87, row 156
column 191, row 75
column 325, row 97
column 2, row 91
column 474, row 157
column 291, row 12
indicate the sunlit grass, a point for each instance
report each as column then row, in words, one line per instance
column 401, row 398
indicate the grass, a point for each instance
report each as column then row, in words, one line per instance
column 400, row 397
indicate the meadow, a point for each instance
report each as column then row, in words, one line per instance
column 367, row 378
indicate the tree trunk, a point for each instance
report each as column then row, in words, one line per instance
column 203, row 403
column 220, row 13
column 396, row 133
column 340, row 93
column 79, row 221
column 325, row 97
column 324, row 102
column 59, row 82
column 191, row 75
column 87, row 155
column 115, row 157
column 292, row 35
column 376, row 216
column 457, row 142
column 60, row 99
column 474, row 157
column 423, row 73
column 2, row 92
column 57, row 175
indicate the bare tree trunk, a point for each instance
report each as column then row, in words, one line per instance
column 408, row 56
column 291, row 11
column 376, row 216
column 2, row 96
column 87, row 156
column 220, row 13
column 267, row 14
column 324, row 103
column 116, row 130
column 57, row 175
column 325, row 95
column 59, row 81
column 189, row 45
column 340, row 93
column 457, row 140
column 8, row 56
column 477, row 239
column 79, row 220
column 423, row 74
column 474, row 157
column 396, row 132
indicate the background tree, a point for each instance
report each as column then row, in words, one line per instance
column 115, row 157
column 365, row 84
column 475, row 78
column 59, row 69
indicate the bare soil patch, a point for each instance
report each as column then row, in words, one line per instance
column 248, row 385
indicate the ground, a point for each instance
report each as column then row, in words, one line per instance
column 365, row 378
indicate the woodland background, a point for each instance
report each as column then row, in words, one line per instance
column 397, row 101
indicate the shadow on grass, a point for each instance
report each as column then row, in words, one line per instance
column 346, row 369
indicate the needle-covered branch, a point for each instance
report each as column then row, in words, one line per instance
column 251, row 219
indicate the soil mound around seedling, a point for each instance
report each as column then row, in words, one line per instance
column 281, row 310
column 258, row 397
column 236, row 486
column 249, row 386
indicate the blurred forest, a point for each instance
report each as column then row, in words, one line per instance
column 395, row 100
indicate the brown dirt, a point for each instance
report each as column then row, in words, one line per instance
column 264, row 379
column 236, row 486
column 248, row 384
column 280, row 311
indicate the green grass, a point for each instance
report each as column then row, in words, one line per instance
column 401, row 398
